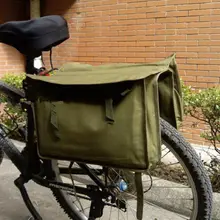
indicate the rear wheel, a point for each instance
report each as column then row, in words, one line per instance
column 1, row 155
column 188, row 198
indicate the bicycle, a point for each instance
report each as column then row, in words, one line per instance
column 108, row 192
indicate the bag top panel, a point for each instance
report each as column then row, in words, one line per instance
column 84, row 74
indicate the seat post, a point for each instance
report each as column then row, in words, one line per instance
column 34, row 65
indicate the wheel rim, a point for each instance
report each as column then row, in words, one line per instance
column 153, row 204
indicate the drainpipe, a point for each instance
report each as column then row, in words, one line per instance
column 35, row 8
column 35, row 13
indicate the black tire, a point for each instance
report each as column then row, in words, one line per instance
column 14, row 96
column 12, row 153
column 195, row 167
column 1, row 155
column 191, row 161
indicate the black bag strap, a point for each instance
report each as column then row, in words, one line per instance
column 140, row 195
column 109, row 111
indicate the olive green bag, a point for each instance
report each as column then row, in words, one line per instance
column 108, row 114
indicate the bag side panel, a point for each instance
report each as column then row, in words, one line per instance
column 152, row 120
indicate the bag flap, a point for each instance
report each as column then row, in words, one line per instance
column 84, row 74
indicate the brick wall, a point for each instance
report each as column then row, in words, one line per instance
column 146, row 31
column 10, row 59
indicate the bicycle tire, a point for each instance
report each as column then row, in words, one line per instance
column 12, row 92
column 192, row 163
column 14, row 95
column 1, row 155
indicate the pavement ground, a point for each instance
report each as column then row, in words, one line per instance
column 12, row 206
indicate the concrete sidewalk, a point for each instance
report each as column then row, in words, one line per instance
column 12, row 206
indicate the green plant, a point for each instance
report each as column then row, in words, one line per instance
column 11, row 113
column 213, row 168
column 14, row 79
column 204, row 105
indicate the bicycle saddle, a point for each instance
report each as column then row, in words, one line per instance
column 33, row 36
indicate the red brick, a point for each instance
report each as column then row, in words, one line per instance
column 126, row 22
column 155, row 3
column 215, row 62
column 177, row 2
column 137, row 16
column 176, row 37
column 215, row 49
column 161, row 54
column 188, row 66
column 156, row 38
column 211, row 85
column 211, row 5
column 127, row 33
column 210, row 18
column 117, row 60
column 167, row 8
column 199, row 24
column 176, row 26
column 215, row 11
column 215, row 24
column 187, row 43
column 197, row 73
column 209, row 55
column 144, row 54
column 145, row 21
column 208, row 67
column 199, row 1
column 176, row 49
column 165, row 32
column 164, row 43
column 199, row 12
column 188, row 19
column 209, row 31
column 102, row 59
column 177, row 13
column 126, row 54
column 137, row 4
column 199, row 37
column 167, row 20
column 188, row 31
column 208, row 79
column 127, row 44
column 127, row 11
column 156, row 15
column 187, row 54
column 134, row 49
column 156, row 26
column 187, row 7
column 215, row 37
column 108, row 2
column 198, row 61
column 135, row 60
column 198, row 49
column 121, row 49
column 189, row 78
column 214, row 73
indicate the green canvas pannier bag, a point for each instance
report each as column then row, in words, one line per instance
column 108, row 114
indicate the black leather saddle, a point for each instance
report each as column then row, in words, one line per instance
column 33, row 36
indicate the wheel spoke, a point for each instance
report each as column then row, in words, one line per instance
column 175, row 172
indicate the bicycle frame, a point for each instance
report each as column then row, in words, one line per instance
column 30, row 166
